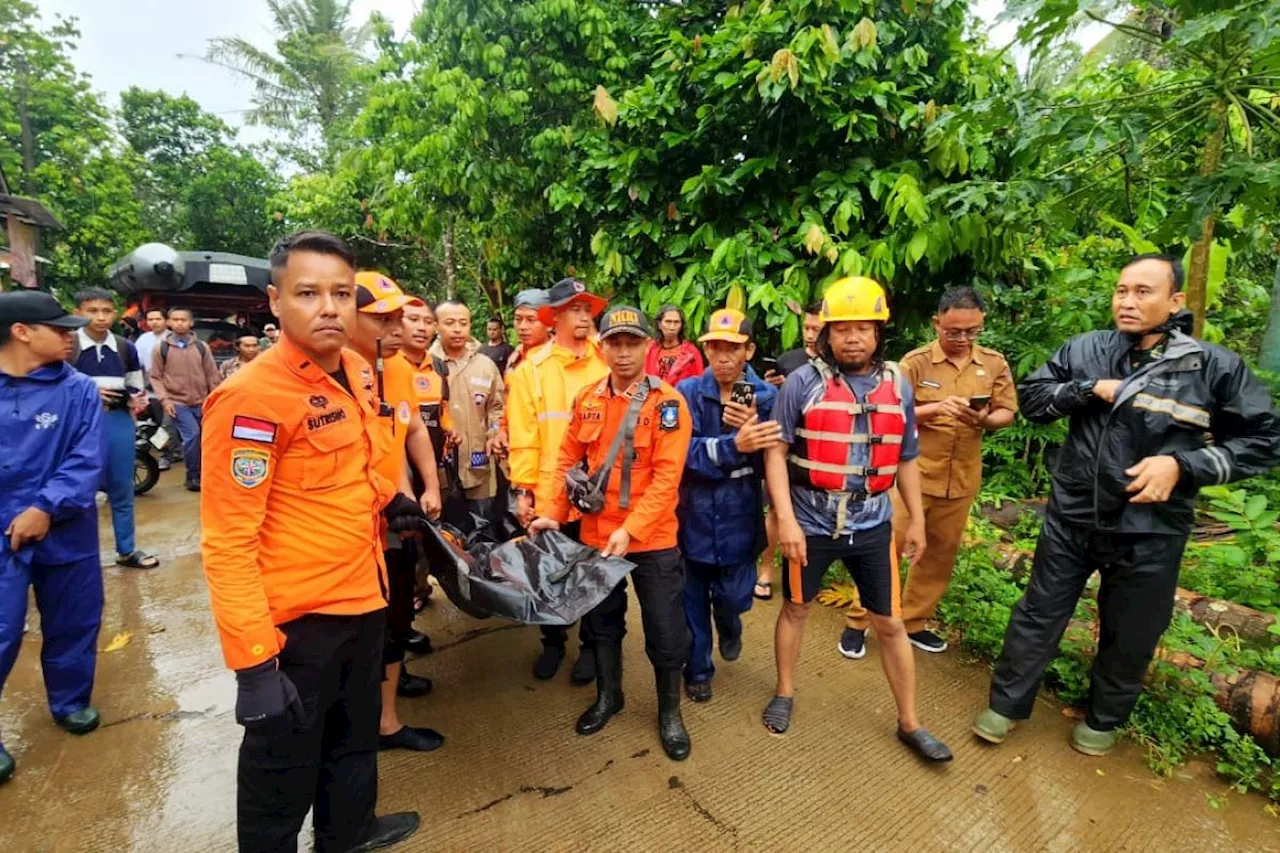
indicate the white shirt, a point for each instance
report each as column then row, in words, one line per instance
column 146, row 345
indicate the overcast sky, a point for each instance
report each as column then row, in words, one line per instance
column 146, row 43
column 154, row 44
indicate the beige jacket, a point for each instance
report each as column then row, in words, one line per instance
column 475, row 402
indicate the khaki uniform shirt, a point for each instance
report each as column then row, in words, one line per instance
column 951, row 453
column 475, row 404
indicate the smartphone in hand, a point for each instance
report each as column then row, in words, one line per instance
column 979, row 402
column 743, row 393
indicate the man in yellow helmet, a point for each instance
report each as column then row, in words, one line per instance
column 849, row 434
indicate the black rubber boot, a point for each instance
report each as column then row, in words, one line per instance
column 584, row 671
column 675, row 740
column 608, row 690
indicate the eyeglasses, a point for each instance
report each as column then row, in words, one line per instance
column 962, row 334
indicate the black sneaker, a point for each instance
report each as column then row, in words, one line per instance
column 853, row 643
column 927, row 641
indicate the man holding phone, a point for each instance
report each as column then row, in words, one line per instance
column 962, row 391
column 721, row 522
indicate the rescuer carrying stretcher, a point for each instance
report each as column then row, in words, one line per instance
column 620, row 465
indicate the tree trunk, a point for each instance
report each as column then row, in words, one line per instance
column 450, row 266
column 27, row 139
column 1269, row 355
column 1198, row 275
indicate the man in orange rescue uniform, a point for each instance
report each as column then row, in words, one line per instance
column 378, row 337
column 291, row 532
column 632, row 433
column 540, row 393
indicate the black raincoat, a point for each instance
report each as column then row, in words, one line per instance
column 1198, row 403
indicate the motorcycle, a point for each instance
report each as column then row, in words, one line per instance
column 150, row 439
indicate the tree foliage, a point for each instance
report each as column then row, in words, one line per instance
column 309, row 88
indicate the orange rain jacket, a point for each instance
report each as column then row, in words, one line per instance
column 540, row 395
column 433, row 395
column 291, row 505
column 662, row 439
column 402, row 401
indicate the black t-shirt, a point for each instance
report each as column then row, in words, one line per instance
column 792, row 360
column 341, row 378
column 498, row 354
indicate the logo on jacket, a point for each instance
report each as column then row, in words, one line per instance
column 319, row 402
column 46, row 420
column 669, row 415
column 403, row 412
column 249, row 466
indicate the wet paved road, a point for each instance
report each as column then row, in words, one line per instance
column 159, row 775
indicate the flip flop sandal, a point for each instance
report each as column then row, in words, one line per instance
column 138, row 560
column 768, row 590
column 777, row 714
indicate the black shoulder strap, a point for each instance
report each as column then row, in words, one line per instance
column 627, row 436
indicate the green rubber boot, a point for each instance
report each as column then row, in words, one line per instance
column 992, row 727
column 6, row 765
column 1091, row 741
column 80, row 722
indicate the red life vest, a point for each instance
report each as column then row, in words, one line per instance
column 819, row 457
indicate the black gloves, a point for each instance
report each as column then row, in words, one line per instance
column 266, row 696
column 404, row 515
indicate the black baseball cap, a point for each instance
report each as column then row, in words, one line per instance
column 625, row 320
column 563, row 292
column 36, row 308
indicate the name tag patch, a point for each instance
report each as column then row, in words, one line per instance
column 929, row 383
column 249, row 466
column 246, row 428
column 318, row 422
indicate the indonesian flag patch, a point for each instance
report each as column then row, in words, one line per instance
column 254, row 429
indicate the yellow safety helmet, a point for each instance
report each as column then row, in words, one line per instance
column 855, row 298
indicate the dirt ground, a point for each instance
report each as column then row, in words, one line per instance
column 160, row 773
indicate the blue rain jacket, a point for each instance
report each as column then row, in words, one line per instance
column 51, row 440
column 721, row 510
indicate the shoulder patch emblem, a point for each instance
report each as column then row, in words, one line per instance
column 403, row 413
column 247, row 428
column 669, row 415
column 249, row 466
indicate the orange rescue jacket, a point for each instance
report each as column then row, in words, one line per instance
column 540, row 395
column 662, row 439
column 290, row 511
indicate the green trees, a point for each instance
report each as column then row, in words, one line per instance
column 57, row 146
column 1197, row 111
column 783, row 144
column 309, row 89
column 474, row 115
column 199, row 190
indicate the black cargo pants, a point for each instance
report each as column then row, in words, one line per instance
column 557, row 636
column 1135, row 603
column 330, row 762
column 659, row 580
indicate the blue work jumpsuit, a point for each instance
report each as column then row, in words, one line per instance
column 51, row 439
column 721, row 518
